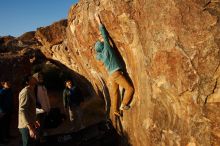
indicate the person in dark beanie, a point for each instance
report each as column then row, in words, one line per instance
column 42, row 103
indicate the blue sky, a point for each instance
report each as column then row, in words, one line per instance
column 20, row 16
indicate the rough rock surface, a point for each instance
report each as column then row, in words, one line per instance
column 171, row 52
column 53, row 34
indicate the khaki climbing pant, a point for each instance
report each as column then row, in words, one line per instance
column 117, row 80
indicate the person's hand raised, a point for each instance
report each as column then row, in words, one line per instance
column 97, row 17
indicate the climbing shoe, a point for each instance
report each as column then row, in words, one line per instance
column 124, row 107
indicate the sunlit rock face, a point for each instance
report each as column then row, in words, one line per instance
column 171, row 52
column 53, row 34
column 53, row 41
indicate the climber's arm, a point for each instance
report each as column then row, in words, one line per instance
column 102, row 30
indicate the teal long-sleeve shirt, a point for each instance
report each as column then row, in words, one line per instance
column 106, row 54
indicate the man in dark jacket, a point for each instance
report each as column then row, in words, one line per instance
column 71, row 102
column 6, row 107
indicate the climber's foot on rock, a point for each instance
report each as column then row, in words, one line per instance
column 117, row 114
column 124, row 107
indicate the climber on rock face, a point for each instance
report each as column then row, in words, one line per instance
column 106, row 54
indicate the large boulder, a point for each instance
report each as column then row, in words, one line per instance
column 52, row 34
column 170, row 49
